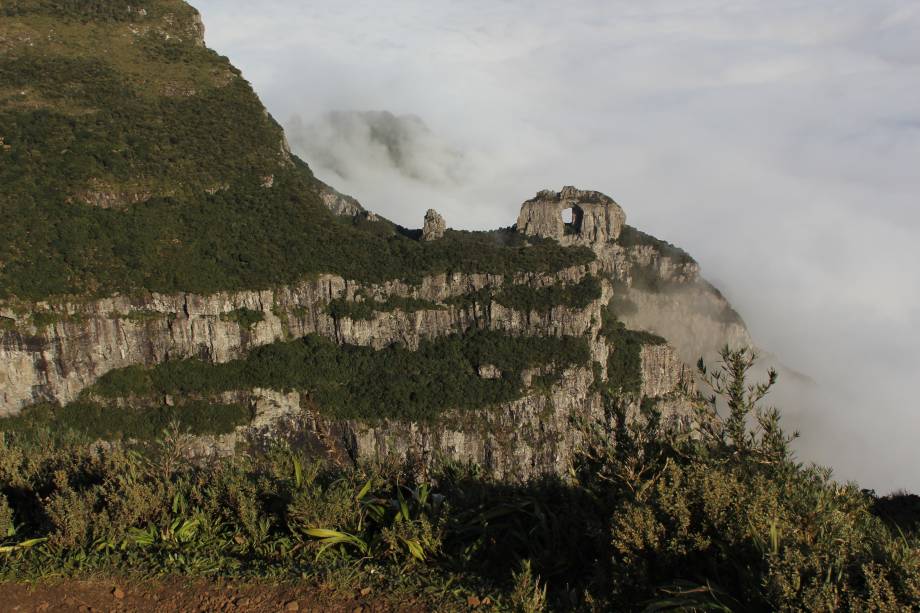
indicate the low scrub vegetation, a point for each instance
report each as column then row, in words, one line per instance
column 245, row 318
column 90, row 421
column 353, row 381
column 633, row 237
column 526, row 298
column 624, row 358
column 364, row 308
column 133, row 163
column 648, row 519
column 520, row 297
column 83, row 10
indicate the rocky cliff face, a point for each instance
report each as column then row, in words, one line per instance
column 596, row 218
column 516, row 441
column 162, row 83
column 338, row 203
column 51, row 352
column 434, row 227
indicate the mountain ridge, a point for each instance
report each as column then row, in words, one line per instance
column 176, row 233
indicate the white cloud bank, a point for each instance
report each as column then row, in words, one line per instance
column 778, row 142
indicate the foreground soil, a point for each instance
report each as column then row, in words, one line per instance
column 187, row 597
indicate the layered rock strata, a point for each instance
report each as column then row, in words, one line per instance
column 52, row 352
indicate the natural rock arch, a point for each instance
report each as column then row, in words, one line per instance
column 572, row 219
column 596, row 218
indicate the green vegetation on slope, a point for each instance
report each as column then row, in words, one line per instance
column 352, row 381
column 132, row 160
column 633, row 237
column 83, row 10
column 521, row 297
column 649, row 519
column 526, row 298
column 245, row 318
column 93, row 421
column 624, row 358
column 367, row 308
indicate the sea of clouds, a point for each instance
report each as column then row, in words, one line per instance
column 778, row 142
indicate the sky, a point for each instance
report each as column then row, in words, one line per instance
column 776, row 141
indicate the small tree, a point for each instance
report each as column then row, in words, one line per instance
column 749, row 429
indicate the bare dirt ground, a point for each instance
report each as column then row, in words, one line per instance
column 186, row 597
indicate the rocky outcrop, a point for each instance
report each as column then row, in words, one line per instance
column 513, row 442
column 596, row 218
column 434, row 227
column 52, row 352
column 338, row 203
column 109, row 197
column 694, row 317
column 197, row 29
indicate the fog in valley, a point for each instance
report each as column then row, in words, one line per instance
column 777, row 142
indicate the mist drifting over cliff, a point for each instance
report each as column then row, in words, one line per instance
column 778, row 146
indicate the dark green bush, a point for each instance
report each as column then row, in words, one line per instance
column 367, row 308
column 245, row 318
column 624, row 360
column 526, row 298
column 354, row 381
column 648, row 519
column 93, row 420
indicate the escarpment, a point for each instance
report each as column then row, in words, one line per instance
column 165, row 266
column 57, row 352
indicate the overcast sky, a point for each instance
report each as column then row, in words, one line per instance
column 777, row 141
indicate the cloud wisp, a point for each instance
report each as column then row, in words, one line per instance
column 777, row 142
column 355, row 145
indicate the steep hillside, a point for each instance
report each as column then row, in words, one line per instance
column 167, row 258
column 133, row 158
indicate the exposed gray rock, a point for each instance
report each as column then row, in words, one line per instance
column 596, row 218
column 435, row 226
column 654, row 288
column 513, row 442
column 84, row 340
column 694, row 318
column 339, row 203
column 489, row 371
column 197, row 28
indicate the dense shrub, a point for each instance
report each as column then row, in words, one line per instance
column 521, row 297
column 900, row 510
column 725, row 519
column 649, row 519
column 92, row 420
column 624, row 358
column 7, row 523
column 526, row 298
column 245, row 318
column 367, row 308
column 355, row 381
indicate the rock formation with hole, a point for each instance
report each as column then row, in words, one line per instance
column 596, row 218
